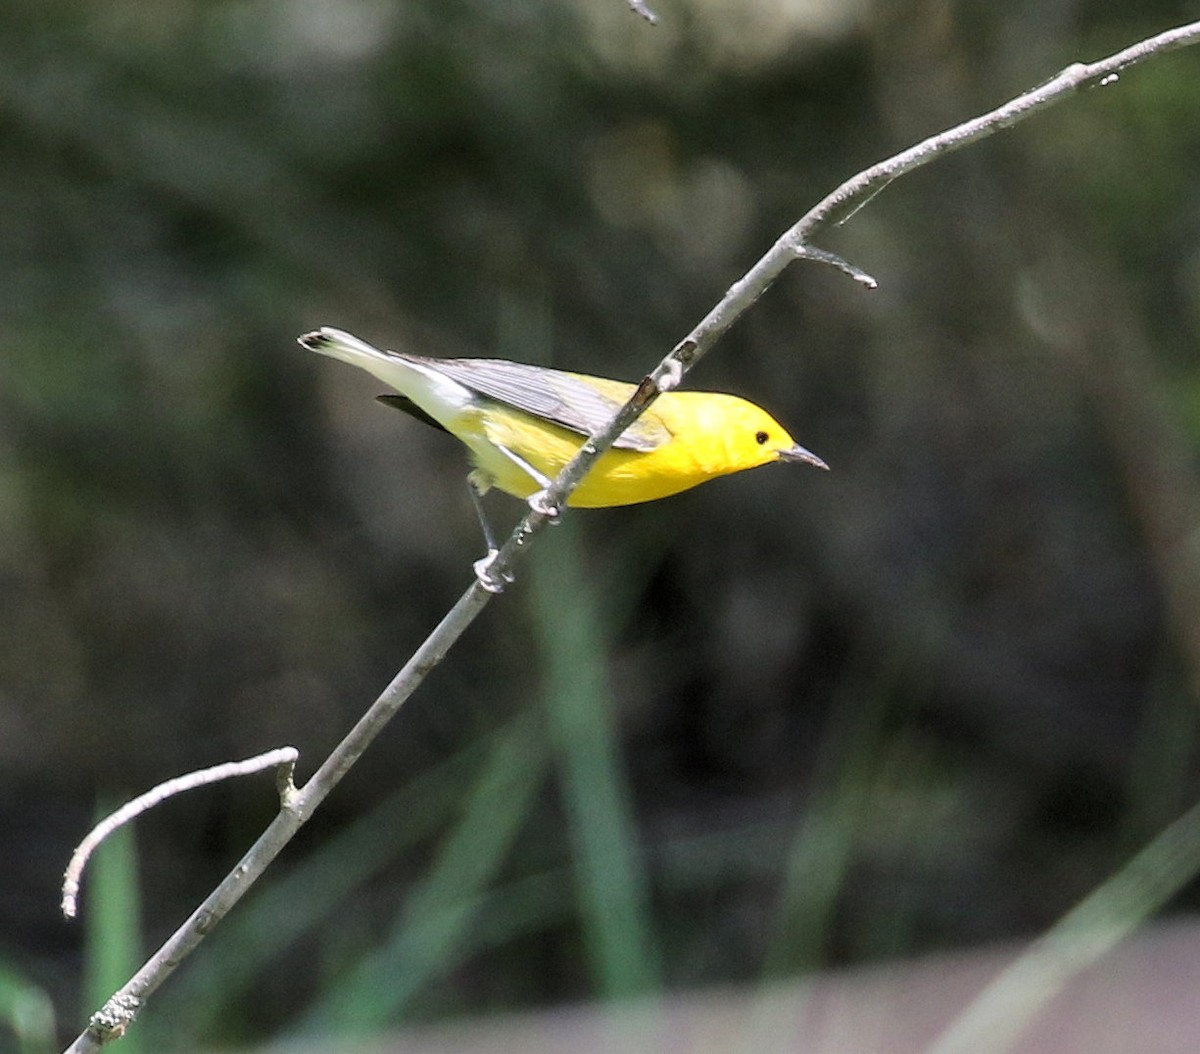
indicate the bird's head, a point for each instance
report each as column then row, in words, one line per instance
column 753, row 437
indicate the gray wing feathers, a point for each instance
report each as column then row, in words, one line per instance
column 557, row 396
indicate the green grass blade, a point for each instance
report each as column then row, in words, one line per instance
column 821, row 851
column 612, row 885
column 1001, row 1012
column 432, row 924
column 27, row 1013
column 111, row 915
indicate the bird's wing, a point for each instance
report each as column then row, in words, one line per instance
column 566, row 399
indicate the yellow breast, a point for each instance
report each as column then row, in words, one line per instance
column 708, row 440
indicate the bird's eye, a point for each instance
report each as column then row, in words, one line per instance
column 761, row 437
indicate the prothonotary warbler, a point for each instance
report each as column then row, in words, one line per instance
column 523, row 423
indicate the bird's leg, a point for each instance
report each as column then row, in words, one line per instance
column 539, row 500
column 479, row 483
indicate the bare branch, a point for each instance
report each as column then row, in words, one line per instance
column 297, row 806
column 284, row 757
column 794, row 244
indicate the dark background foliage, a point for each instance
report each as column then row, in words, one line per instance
column 925, row 701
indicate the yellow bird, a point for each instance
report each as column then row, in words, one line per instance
column 522, row 424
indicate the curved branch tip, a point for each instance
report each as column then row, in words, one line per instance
column 811, row 252
column 638, row 7
column 285, row 757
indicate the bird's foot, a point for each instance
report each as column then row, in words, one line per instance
column 487, row 576
column 540, row 502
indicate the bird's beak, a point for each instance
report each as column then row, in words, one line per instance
column 799, row 454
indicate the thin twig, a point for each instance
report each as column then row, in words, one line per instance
column 794, row 244
column 285, row 757
column 639, row 7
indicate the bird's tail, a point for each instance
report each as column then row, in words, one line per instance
column 440, row 397
column 338, row 344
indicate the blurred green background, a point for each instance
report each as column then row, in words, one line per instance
column 790, row 720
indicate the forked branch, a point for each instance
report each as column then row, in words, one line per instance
column 284, row 758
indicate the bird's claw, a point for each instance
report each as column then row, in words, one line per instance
column 540, row 502
column 487, row 578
